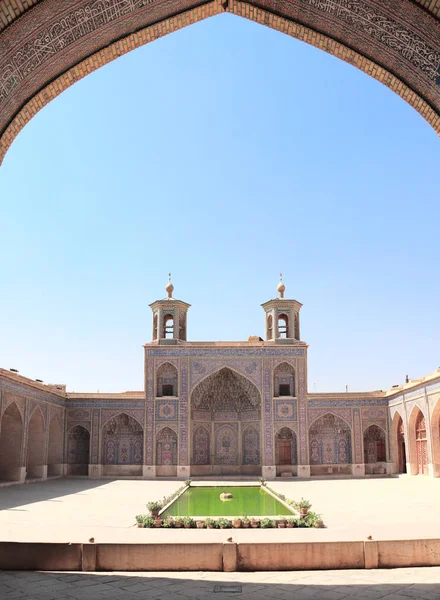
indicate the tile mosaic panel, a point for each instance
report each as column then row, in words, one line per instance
column 225, row 352
column 184, row 416
column 166, row 410
column 284, row 410
column 374, row 413
column 249, row 368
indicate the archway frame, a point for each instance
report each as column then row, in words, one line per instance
column 394, row 445
column 412, row 445
column 38, row 470
column 349, row 426
column 15, row 471
column 435, row 438
column 413, row 85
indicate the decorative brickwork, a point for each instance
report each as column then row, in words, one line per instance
column 56, row 43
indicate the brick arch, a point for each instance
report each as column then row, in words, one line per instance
column 55, row 447
column 11, row 439
column 397, row 44
column 35, row 456
column 399, row 443
column 418, row 446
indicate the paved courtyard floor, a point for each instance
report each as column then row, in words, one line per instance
column 73, row 510
column 394, row 584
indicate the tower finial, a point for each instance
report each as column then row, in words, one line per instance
column 281, row 287
column 169, row 288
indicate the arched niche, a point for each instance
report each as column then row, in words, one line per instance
column 330, row 446
column 11, row 440
column 286, row 451
column 418, row 443
column 35, row 458
column 398, row 444
column 166, row 452
column 375, row 455
column 167, row 380
column 284, row 383
column 122, row 446
column 225, row 425
column 55, row 448
column 78, row 450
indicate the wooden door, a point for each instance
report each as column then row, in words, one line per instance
column 285, row 452
column 401, row 447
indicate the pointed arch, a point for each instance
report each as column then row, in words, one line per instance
column 226, row 445
column 284, row 380
column 286, row 451
column 435, row 438
column 11, row 440
column 398, row 444
column 250, row 439
column 78, row 450
column 35, row 456
column 167, row 380
column 166, row 447
column 226, row 383
column 418, row 442
column 55, row 447
column 201, row 445
column 122, row 443
column 374, row 445
column 330, row 442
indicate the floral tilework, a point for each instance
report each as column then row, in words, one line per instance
column 166, row 410
column 285, row 410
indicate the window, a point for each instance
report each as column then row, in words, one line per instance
column 284, row 389
column 283, row 330
column 168, row 325
column 167, row 390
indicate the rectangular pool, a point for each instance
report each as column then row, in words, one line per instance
column 252, row 501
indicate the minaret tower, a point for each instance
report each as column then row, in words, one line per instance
column 282, row 317
column 169, row 318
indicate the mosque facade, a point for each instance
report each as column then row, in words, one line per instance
column 219, row 409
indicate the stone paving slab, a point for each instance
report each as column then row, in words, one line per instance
column 73, row 510
column 392, row 584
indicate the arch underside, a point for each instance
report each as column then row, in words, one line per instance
column 54, row 43
column 226, row 425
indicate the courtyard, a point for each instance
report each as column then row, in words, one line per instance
column 75, row 509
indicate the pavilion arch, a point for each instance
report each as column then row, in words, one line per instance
column 284, row 380
column 330, row 445
column 55, row 448
column 167, row 380
column 435, row 438
column 166, row 452
column 286, row 451
column 78, row 450
column 418, row 442
column 398, row 444
column 11, row 442
column 35, row 455
column 225, row 425
column 80, row 44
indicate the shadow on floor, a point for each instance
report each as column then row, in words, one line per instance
column 27, row 493
column 393, row 584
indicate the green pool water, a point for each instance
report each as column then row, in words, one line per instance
column 205, row 502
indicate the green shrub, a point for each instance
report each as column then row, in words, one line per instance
column 224, row 523
column 267, row 523
column 148, row 522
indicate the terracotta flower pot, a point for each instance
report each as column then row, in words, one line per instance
column 290, row 525
column 187, row 525
column 236, row 523
column 281, row 525
column 178, row 524
column 200, row 524
column 158, row 522
column 255, row 524
column 245, row 524
column 303, row 512
column 210, row 526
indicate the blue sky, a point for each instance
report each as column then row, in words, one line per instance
column 224, row 153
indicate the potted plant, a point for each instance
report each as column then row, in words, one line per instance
column 200, row 524
column 255, row 523
column 236, row 523
column 267, row 523
column 148, row 522
column 188, row 482
column 281, row 523
column 154, row 508
column 158, row 522
column 292, row 522
column 210, row 523
column 140, row 520
column 245, row 521
column 188, row 522
column 178, row 523
column 304, row 506
column 262, row 481
column 168, row 522
column 224, row 523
